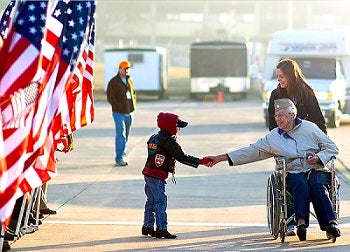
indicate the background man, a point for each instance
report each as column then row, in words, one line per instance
column 122, row 97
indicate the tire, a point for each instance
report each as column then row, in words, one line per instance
column 273, row 207
column 336, row 198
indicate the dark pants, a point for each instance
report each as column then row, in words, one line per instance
column 312, row 186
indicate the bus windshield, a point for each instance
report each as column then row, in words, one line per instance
column 219, row 61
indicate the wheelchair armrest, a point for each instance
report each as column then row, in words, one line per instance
column 280, row 162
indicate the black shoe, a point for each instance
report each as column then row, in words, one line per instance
column 47, row 211
column 333, row 230
column 32, row 220
column 148, row 231
column 10, row 235
column 6, row 246
column 164, row 233
column 301, row 232
column 41, row 216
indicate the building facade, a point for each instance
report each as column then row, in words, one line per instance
column 176, row 24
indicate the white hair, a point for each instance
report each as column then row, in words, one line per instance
column 292, row 110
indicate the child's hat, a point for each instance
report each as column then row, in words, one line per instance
column 181, row 124
column 169, row 122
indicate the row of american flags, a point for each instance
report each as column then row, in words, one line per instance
column 46, row 89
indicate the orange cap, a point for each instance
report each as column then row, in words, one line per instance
column 124, row 64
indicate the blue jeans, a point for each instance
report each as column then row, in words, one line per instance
column 156, row 203
column 312, row 186
column 122, row 124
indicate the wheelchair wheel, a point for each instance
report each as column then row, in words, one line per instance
column 336, row 197
column 273, row 207
column 283, row 231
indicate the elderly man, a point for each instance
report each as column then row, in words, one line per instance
column 306, row 149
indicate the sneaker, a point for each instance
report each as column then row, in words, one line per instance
column 121, row 163
column 31, row 228
column 291, row 230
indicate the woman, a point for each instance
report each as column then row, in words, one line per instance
column 292, row 85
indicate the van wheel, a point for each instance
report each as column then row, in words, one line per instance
column 334, row 119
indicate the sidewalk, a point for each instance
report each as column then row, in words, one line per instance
column 100, row 207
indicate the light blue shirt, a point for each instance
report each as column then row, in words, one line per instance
column 304, row 137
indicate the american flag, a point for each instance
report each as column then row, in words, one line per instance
column 5, row 20
column 78, row 99
column 48, row 38
column 20, row 51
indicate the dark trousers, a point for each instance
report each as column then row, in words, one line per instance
column 311, row 186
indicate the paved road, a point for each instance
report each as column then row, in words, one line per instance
column 100, row 207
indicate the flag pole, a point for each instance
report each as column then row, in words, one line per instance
column 19, row 219
column 26, row 227
column 2, row 235
column 37, row 204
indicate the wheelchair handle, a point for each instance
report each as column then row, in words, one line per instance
column 280, row 162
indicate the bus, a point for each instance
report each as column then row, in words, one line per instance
column 219, row 65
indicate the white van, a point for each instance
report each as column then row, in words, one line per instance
column 149, row 68
column 324, row 57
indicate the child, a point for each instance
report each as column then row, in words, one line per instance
column 163, row 151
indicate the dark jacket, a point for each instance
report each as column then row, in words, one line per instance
column 117, row 95
column 310, row 111
column 163, row 151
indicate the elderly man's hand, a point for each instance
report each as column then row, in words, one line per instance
column 312, row 158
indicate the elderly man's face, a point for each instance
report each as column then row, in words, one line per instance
column 284, row 120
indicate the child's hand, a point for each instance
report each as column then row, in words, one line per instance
column 206, row 161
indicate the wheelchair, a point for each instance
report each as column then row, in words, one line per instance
column 278, row 198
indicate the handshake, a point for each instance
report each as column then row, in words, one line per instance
column 207, row 161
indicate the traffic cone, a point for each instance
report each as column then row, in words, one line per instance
column 220, row 97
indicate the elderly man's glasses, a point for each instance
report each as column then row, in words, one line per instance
column 279, row 116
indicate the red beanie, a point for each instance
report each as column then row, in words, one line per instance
column 168, row 122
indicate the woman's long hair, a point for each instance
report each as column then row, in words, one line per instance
column 298, row 89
